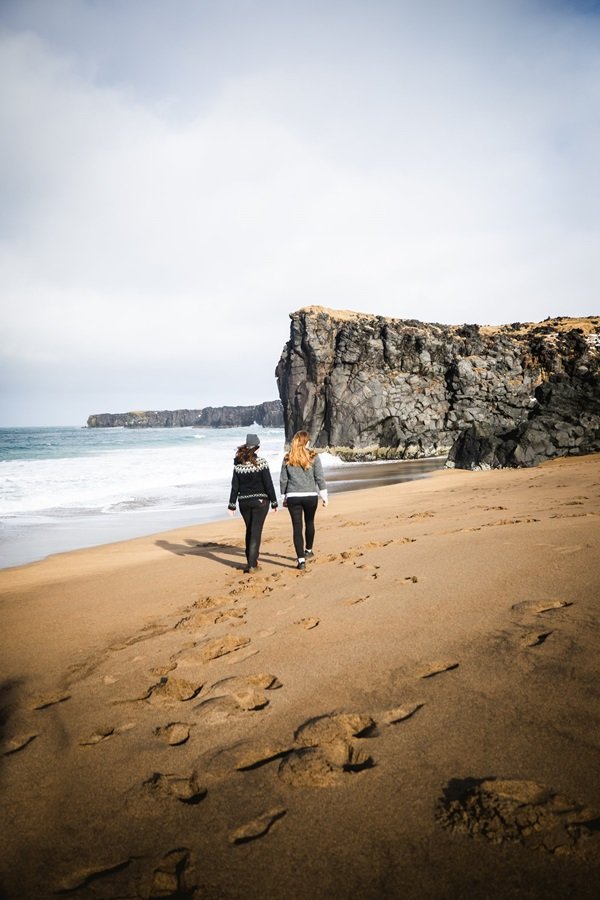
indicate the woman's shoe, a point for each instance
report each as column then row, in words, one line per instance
column 301, row 565
column 309, row 555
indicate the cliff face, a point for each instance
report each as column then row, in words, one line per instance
column 401, row 388
column 149, row 418
column 269, row 414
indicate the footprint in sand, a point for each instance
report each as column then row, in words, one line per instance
column 354, row 601
column 322, row 753
column 266, row 632
column 255, row 588
column 172, row 689
column 368, row 567
column 323, row 766
column 249, row 699
column 18, row 742
column 222, row 646
column 437, row 668
column 208, row 618
column 209, row 602
column 526, row 521
column 175, row 733
column 535, row 638
column 324, row 729
column 174, row 876
column 539, row 606
column 308, row 623
column 257, row 827
column 522, row 812
column 83, row 877
column 101, row 734
column 325, row 750
column 255, row 757
column 343, row 557
column 350, row 554
column 104, row 732
column 185, row 788
column 400, row 713
column 159, row 671
column 238, row 694
column 47, row 700
column 265, row 681
column 374, row 545
column 218, row 710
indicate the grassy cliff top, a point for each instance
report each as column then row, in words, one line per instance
column 588, row 325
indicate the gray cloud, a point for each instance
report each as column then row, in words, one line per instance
column 177, row 178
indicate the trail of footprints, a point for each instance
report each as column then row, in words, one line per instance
column 323, row 752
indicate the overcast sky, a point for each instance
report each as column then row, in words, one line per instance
column 179, row 176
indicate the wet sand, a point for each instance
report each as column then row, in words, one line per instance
column 31, row 539
column 415, row 715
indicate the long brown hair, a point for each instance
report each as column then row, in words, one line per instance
column 245, row 455
column 299, row 454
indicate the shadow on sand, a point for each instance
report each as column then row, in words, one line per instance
column 221, row 553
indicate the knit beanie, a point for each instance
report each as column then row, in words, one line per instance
column 252, row 440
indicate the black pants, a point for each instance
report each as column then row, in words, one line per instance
column 303, row 507
column 254, row 512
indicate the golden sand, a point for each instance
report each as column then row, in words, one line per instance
column 416, row 715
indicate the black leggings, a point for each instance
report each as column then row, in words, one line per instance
column 254, row 512
column 297, row 507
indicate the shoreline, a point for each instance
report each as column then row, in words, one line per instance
column 31, row 540
column 170, row 724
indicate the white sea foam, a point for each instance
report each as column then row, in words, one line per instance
column 66, row 488
column 168, row 475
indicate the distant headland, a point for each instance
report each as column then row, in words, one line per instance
column 268, row 414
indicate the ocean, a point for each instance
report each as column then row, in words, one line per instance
column 66, row 488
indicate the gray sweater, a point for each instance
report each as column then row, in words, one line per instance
column 296, row 480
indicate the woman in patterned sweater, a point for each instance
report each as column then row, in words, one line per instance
column 252, row 487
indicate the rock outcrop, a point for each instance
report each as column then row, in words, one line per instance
column 564, row 422
column 148, row 418
column 371, row 387
column 269, row 414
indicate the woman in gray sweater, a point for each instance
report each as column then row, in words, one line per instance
column 302, row 483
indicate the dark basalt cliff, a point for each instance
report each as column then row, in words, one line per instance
column 148, row 418
column 370, row 387
column 269, row 414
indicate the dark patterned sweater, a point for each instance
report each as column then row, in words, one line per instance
column 250, row 482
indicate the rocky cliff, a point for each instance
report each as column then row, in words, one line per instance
column 149, row 418
column 269, row 414
column 372, row 387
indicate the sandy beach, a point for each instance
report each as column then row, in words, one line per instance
column 417, row 715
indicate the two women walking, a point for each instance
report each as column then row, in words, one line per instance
column 302, row 483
